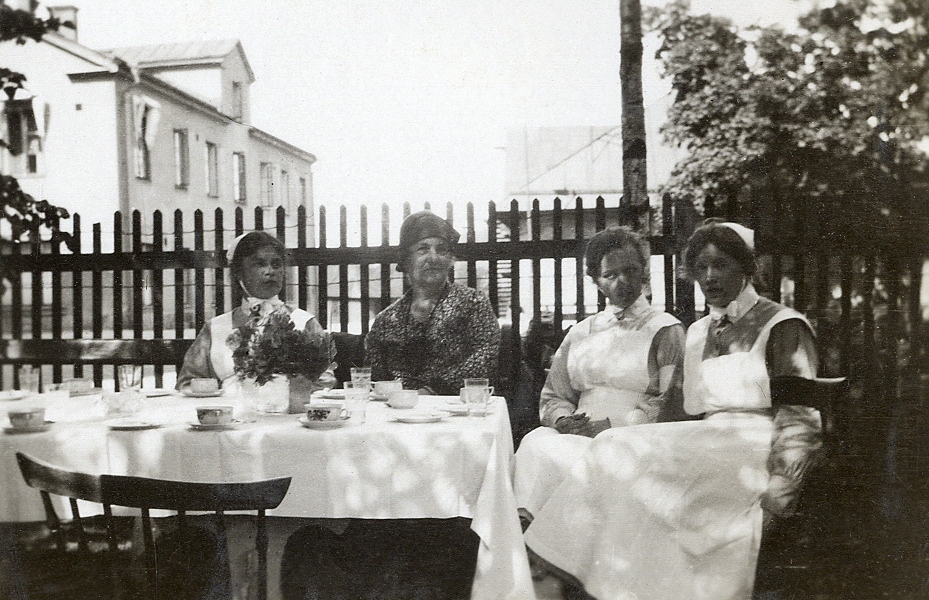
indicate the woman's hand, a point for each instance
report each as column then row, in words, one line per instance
column 580, row 424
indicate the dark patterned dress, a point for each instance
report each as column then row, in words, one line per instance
column 460, row 339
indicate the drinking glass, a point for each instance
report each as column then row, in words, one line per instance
column 362, row 375
column 356, row 400
column 476, row 394
column 29, row 379
column 130, row 377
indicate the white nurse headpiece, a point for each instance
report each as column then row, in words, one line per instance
column 747, row 235
column 230, row 251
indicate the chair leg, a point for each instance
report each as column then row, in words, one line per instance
column 151, row 558
column 261, row 545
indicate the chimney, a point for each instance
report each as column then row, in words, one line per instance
column 66, row 14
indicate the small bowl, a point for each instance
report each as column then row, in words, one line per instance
column 203, row 385
column 384, row 388
column 27, row 419
column 403, row 399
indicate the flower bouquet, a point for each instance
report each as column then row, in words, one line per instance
column 265, row 347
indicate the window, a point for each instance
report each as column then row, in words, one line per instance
column 303, row 191
column 237, row 100
column 25, row 128
column 267, row 185
column 181, row 159
column 285, row 190
column 32, row 154
column 238, row 177
column 212, row 170
column 145, row 114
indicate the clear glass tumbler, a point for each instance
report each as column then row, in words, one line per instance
column 356, row 400
column 130, row 377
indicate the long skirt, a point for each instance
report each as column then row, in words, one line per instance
column 544, row 459
column 662, row 511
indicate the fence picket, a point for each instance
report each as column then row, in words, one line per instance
column 322, row 312
column 364, row 274
column 303, row 280
column 199, row 274
column 386, row 255
column 157, row 289
column 77, row 293
column 219, row 273
column 179, row 300
column 343, row 271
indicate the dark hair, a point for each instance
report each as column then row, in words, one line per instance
column 712, row 231
column 250, row 244
column 612, row 238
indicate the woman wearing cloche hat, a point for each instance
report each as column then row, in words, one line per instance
column 438, row 333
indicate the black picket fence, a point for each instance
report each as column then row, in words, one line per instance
column 165, row 280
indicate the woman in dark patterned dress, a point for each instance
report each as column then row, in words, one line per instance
column 432, row 338
column 439, row 332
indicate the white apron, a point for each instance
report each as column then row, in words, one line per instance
column 610, row 368
column 671, row 511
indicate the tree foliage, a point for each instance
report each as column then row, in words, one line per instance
column 831, row 115
column 26, row 216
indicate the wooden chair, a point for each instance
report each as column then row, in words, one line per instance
column 147, row 494
column 350, row 352
column 786, row 546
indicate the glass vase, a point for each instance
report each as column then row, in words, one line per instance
column 271, row 398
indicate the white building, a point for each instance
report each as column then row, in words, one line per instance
column 147, row 128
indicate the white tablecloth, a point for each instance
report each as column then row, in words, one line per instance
column 458, row 467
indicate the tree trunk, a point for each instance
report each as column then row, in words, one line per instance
column 634, row 205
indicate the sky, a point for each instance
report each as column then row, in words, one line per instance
column 411, row 100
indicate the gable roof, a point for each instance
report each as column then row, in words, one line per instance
column 182, row 54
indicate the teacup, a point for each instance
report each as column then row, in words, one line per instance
column 214, row 415
column 384, row 388
column 402, row 398
column 203, row 385
column 324, row 411
column 27, row 418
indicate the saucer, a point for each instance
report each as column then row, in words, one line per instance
column 13, row 394
column 323, row 424
column 130, row 425
column 331, row 394
column 90, row 392
column 14, row 430
column 157, row 392
column 192, row 394
column 197, row 426
column 456, row 409
column 421, row 417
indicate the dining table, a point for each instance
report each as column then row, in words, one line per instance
column 394, row 465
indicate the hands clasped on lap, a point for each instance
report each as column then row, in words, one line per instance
column 580, row 424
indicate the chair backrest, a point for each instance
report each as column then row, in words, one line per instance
column 49, row 479
column 350, row 352
column 823, row 394
column 147, row 494
column 785, row 543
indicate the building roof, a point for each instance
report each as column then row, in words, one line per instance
column 180, row 54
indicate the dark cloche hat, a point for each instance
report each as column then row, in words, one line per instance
column 421, row 225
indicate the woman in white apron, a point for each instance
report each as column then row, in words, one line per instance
column 613, row 369
column 675, row 510
column 256, row 262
